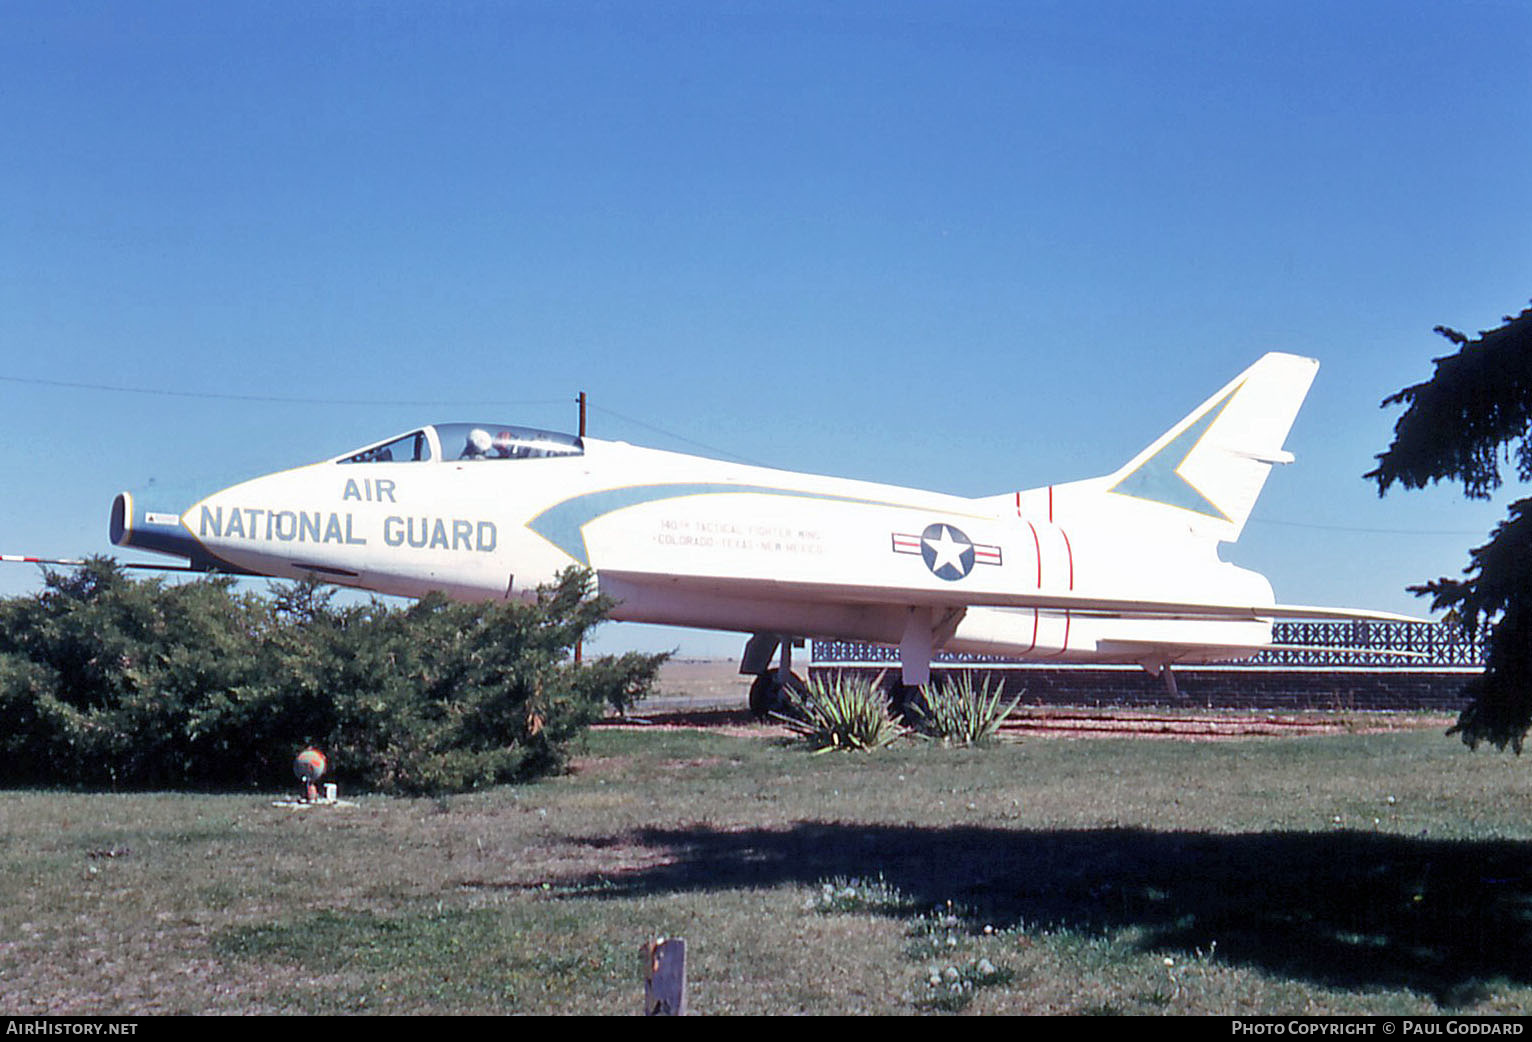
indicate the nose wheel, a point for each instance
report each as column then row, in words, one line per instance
column 768, row 693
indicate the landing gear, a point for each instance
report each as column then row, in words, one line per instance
column 768, row 694
column 1163, row 671
column 1171, row 687
column 904, row 700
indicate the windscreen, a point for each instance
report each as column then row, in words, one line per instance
column 496, row 441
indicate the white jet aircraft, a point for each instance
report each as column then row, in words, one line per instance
column 1122, row 568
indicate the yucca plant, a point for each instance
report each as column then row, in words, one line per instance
column 841, row 713
column 956, row 713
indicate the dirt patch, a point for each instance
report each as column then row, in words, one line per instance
column 1060, row 722
column 736, row 723
column 714, row 679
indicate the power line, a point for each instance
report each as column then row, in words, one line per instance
column 442, row 403
column 678, row 437
column 1369, row 531
column 282, row 399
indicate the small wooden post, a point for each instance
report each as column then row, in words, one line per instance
column 665, row 977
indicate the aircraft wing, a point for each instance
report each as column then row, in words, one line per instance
column 862, row 594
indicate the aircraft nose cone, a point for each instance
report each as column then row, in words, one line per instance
column 161, row 531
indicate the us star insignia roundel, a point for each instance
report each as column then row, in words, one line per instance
column 947, row 551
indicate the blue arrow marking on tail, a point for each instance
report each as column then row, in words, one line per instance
column 1159, row 478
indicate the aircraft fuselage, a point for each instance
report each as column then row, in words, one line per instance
column 688, row 541
column 1123, row 567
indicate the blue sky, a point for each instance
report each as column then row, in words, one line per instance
column 964, row 246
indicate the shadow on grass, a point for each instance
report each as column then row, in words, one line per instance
column 1344, row 909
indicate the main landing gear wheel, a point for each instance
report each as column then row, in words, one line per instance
column 904, row 701
column 767, row 695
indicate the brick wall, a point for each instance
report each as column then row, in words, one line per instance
column 1224, row 688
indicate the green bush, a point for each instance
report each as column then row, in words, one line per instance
column 109, row 680
column 100, row 675
column 956, row 713
column 841, row 713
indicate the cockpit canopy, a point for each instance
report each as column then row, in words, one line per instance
column 449, row 442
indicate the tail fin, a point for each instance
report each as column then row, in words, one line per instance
column 1214, row 463
column 1207, row 470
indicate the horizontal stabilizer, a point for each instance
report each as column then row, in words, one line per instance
column 1149, row 650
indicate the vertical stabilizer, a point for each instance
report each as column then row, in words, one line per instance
column 1213, row 464
column 1207, row 471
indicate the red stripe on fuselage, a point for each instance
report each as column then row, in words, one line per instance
column 1070, row 551
column 1036, row 542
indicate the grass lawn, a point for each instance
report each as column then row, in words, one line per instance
column 1354, row 874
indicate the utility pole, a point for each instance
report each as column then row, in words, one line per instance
column 580, row 644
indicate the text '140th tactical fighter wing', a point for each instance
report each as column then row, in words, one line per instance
column 1121, row 568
